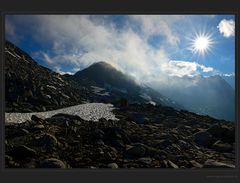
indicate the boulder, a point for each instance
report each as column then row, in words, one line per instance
column 38, row 127
column 164, row 143
column 46, row 140
column 36, row 118
column 215, row 164
column 112, row 165
column 22, row 151
column 137, row 150
column 229, row 135
column 217, row 130
column 138, row 118
column 203, row 138
column 118, row 143
column 145, row 160
column 52, row 163
column 169, row 164
column 222, row 147
column 172, row 165
column 116, row 133
column 98, row 134
column 99, row 142
column 22, row 132
column 196, row 164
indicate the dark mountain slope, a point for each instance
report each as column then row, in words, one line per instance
column 105, row 75
column 31, row 87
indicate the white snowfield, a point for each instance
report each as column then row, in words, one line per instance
column 88, row 112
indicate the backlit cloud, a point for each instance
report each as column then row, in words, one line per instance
column 185, row 68
column 227, row 27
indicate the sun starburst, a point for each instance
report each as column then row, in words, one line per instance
column 201, row 43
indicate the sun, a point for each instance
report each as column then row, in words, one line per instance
column 201, row 43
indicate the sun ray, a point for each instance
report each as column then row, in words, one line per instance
column 201, row 43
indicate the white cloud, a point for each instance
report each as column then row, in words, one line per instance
column 229, row 75
column 76, row 69
column 184, row 68
column 58, row 70
column 227, row 27
column 158, row 25
column 206, row 69
column 46, row 58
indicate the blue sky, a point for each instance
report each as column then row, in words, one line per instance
column 147, row 47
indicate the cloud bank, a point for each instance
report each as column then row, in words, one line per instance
column 227, row 27
column 185, row 68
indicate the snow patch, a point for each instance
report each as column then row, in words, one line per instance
column 88, row 112
column 100, row 91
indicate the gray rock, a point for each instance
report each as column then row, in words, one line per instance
column 67, row 116
column 100, row 151
column 172, row 165
column 99, row 142
column 196, row 164
column 114, row 133
column 112, row 165
column 229, row 135
column 169, row 164
column 22, row 151
column 164, row 143
column 23, row 132
column 98, row 134
column 52, row 163
column 222, row 147
column 138, row 150
column 8, row 158
column 183, row 144
column 218, row 131
column 169, row 137
column 38, row 127
column 145, row 160
column 203, row 138
column 36, row 118
column 44, row 108
column 117, row 143
column 215, row 164
column 138, row 118
column 47, row 140
column 229, row 155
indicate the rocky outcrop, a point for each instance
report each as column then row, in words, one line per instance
column 31, row 87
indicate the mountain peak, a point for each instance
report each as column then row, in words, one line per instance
column 98, row 67
column 103, row 73
column 102, row 64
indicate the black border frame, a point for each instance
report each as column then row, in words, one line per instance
column 142, row 175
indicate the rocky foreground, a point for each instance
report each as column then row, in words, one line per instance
column 145, row 136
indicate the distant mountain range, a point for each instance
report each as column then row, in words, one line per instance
column 203, row 95
column 30, row 86
column 230, row 80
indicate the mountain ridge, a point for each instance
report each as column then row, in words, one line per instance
column 204, row 95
